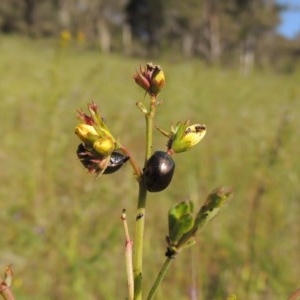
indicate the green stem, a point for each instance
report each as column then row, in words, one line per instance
column 139, row 239
column 141, row 209
column 160, row 277
column 149, row 127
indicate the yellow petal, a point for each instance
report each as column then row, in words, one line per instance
column 104, row 146
column 86, row 133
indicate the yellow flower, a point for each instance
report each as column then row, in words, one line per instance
column 65, row 38
column 94, row 133
column 104, row 146
column 87, row 134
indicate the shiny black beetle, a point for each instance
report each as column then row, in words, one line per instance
column 92, row 161
column 117, row 160
column 158, row 171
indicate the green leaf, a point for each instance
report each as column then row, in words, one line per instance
column 215, row 200
column 177, row 211
column 182, row 225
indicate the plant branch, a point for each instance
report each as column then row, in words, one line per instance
column 128, row 257
column 5, row 291
column 149, row 127
column 139, row 239
column 137, row 170
column 5, row 285
column 295, row 295
column 160, row 277
column 141, row 209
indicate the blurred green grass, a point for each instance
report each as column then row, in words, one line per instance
column 61, row 228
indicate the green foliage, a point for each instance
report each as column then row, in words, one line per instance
column 61, row 228
column 183, row 227
column 180, row 220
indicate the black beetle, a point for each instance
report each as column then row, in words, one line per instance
column 158, row 171
column 117, row 160
column 92, row 161
column 87, row 158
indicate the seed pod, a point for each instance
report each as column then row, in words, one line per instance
column 117, row 159
column 158, row 171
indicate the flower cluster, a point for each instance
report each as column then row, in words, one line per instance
column 98, row 150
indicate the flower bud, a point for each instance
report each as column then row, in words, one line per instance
column 151, row 79
column 184, row 136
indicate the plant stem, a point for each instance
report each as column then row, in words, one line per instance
column 295, row 295
column 160, row 277
column 128, row 256
column 137, row 171
column 149, row 127
column 5, row 291
column 141, row 209
column 5, row 285
column 139, row 239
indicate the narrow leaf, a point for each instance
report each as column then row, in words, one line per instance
column 216, row 199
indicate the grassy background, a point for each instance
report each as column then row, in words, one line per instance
column 61, row 229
